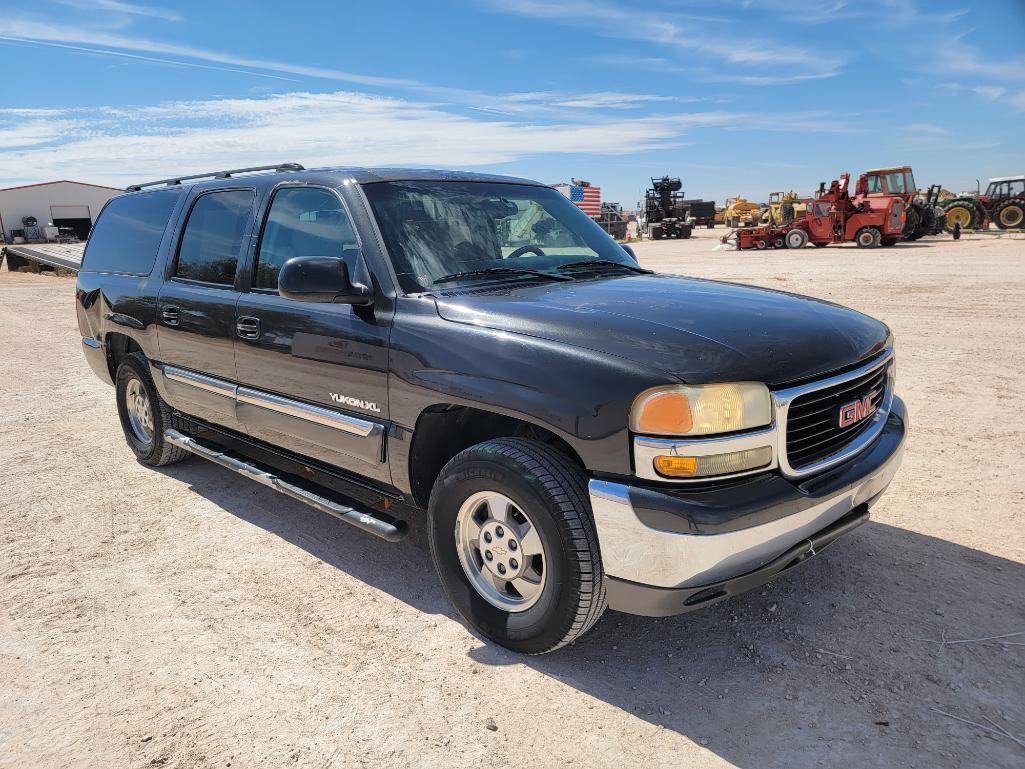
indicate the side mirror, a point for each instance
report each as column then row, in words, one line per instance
column 320, row 279
column 629, row 250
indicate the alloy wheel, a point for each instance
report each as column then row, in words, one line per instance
column 500, row 551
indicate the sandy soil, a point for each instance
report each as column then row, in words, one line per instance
column 190, row 618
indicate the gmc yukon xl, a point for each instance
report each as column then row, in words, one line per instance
column 579, row 432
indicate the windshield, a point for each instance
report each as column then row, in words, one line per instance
column 435, row 230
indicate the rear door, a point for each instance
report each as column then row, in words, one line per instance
column 313, row 378
column 196, row 307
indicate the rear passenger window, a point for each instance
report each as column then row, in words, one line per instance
column 213, row 236
column 303, row 221
column 128, row 233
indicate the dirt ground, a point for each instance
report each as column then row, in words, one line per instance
column 189, row 618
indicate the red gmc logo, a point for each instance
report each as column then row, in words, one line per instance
column 855, row 411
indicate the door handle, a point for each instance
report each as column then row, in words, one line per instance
column 248, row 327
column 171, row 315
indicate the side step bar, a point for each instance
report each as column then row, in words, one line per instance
column 367, row 520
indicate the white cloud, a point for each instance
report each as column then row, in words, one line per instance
column 131, row 9
column 609, row 100
column 991, row 92
column 116, row 145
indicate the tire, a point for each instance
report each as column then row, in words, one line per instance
column 761, row 245
column 142, row 410
column 709, row 225
column 868, row 237
column 912, row 223
column 546, row 489
column 921, row 226
column 820, row 245
column 963, row 212
column 656, row 232
column 778, row 243
column 929, row 224
column 796, row 239
column 1010, row 214
column 888, row 242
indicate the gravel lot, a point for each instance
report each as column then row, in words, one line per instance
column 189, row 618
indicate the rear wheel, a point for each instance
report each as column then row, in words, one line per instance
column 820, row 245
column 963, row 214
column 656, row 232
column 796, row 239
column 144, row 415
column 514, row 544
column 868, row 237
column 888, row 242
column 1010, row 214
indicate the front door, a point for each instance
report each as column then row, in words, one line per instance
column 820, row 222
column 313, row 378
column 196, row 308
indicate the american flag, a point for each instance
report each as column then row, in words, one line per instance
column 587, row 199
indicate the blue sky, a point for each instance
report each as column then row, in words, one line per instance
column 734, row 97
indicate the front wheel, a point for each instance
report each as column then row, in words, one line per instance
column 514, row 544
column 868, row 237
column 796, row 238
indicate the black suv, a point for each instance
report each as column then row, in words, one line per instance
column 579, row 431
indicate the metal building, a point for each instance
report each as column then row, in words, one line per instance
column 61, row 204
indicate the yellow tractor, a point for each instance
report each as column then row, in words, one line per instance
column 783, row 208
column 741, row 212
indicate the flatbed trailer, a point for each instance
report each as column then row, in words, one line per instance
column 36, row 256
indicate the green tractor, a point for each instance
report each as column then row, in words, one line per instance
column 1003, row 204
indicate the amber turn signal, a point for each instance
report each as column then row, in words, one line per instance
column 676, row 467
column 665, row 413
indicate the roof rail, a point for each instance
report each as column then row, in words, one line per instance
column 216, row 175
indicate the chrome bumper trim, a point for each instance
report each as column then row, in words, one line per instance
column 635, row 552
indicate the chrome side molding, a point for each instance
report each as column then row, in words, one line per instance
column 276, row 403
column 305, row 411
column 203, row 382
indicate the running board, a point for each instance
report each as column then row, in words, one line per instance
column 367, row 520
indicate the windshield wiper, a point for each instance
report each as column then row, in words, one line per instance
column 500, row 271
column 603, row 263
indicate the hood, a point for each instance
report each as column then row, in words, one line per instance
column 698, row 330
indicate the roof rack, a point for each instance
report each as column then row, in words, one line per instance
column 216, row 175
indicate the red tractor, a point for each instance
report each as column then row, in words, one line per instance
column 832, row 217
column 924, row 216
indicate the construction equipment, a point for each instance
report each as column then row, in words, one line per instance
column 741, row 212
column 783, row 208
column 924, row 216
column 613, row 220
column 1003, row 204
column 701, row 212
column 665, row 212
column 832, row 217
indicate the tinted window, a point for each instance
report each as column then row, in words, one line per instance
column 213, row 236
column 127, row 235
column 874, row 184
column 303, row 221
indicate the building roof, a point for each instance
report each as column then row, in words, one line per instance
column 59, row 181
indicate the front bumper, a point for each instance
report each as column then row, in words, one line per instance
column 667, row 551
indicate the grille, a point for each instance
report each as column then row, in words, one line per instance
column 813, row 429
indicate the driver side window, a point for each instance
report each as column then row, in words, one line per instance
column 303, row 221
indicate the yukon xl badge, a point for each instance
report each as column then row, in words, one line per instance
column 853, row 412
column 355, row 402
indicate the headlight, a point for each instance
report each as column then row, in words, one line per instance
column 701, row 409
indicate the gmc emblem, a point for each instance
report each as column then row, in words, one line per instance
column 853, row 412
